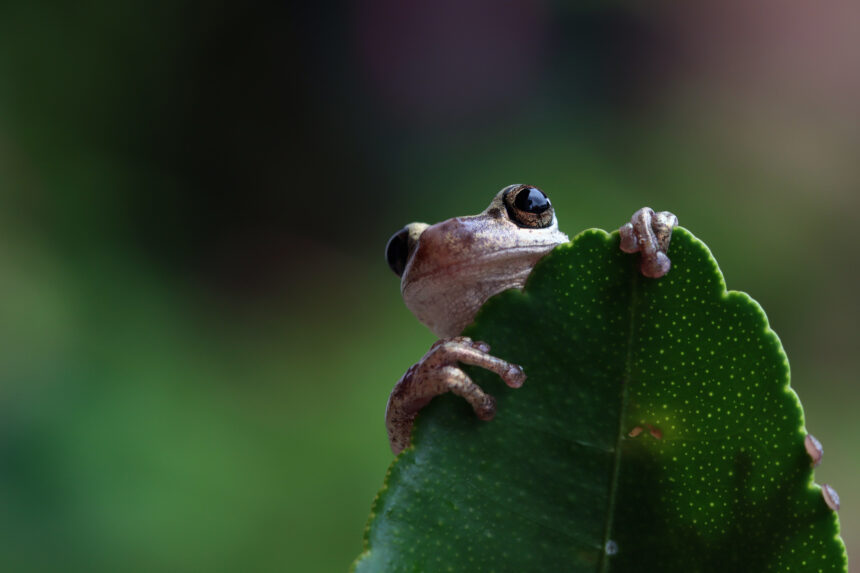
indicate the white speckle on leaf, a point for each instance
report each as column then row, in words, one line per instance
column 611, row 547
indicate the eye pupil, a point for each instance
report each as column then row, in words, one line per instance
column 531, row 200
column 528, row 207
column 397, row 251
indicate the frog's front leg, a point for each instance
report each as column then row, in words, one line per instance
column 649, row 233
column 436, row 373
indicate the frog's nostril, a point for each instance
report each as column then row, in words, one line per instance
column 397, row 251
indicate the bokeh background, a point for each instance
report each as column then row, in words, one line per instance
column 198, row 331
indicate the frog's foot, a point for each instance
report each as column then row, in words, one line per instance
column 649, row 233
column 436, row 373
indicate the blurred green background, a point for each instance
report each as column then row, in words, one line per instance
column 198, row 331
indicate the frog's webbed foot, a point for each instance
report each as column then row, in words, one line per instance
column 436, row 373
column 649, row 233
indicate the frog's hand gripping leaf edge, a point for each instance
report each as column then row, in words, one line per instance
column 658, row 432
column 450, row 269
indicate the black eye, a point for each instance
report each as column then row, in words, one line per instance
column 397, row 251
column 531, row 200
column 528, row 206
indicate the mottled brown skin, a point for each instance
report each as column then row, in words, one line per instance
column 452, row 268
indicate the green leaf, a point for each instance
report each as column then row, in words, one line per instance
column 656, row 432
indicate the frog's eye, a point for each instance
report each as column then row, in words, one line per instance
column 397, row 251
column 529, row 207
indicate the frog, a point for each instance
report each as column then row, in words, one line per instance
column 450, row 269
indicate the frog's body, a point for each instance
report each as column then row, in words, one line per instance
column 453, row 267
column 448, row 270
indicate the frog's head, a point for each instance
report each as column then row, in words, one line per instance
column 448, row 270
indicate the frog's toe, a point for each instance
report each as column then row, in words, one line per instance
column 487, row 410
column 459, row 383
column 438, row 372
column 656, row 266
column 480, row 346
column 629, row 239
column 464, row 341
column 514, row 376
column 649, row 234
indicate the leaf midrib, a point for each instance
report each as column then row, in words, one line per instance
column 603, row 564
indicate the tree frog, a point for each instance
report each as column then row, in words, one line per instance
column 448, row 270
